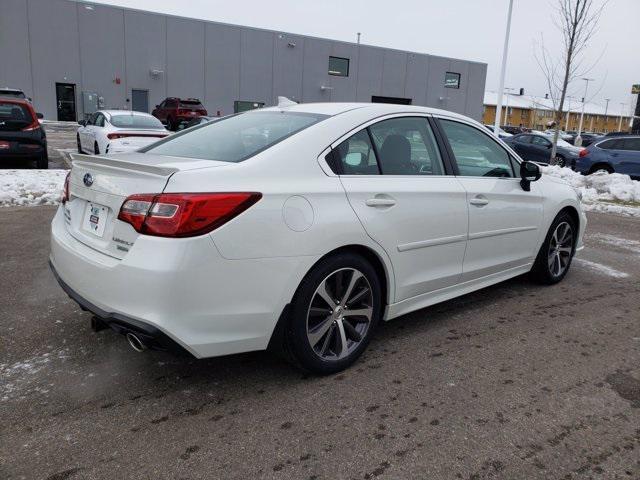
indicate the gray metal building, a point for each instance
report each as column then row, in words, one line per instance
column 60, row 51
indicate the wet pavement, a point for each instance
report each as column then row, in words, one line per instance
column 516, row 381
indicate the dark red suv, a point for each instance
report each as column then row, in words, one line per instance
column 173, row 111
column 22, row 138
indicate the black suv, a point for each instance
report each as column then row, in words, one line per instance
column 21, row 136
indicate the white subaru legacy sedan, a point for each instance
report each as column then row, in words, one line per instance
column 302, row 227
column 118, row 131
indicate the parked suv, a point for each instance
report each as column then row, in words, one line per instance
column 613, row 154
column 21, row 136
column 173, row 111
column 12, row 92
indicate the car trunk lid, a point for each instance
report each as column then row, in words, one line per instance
column 98, row 186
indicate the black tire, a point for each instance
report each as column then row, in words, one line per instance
column 560, row 161
column 543, row 271
column 297, row 333
column 43, row 161
column 96, row 149
column 79, row 144
column 172, row 125
column 600, row 166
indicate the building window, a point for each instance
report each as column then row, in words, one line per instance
column 240, row 106
column 451, row 80
column 339, row 66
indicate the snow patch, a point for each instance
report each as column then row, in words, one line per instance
column 16, row 379
column 31, row 187
column 600, row 268
column 601, row 190
column 624, row 243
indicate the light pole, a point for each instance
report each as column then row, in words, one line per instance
column 503, row 71
column 578, row 141
column 622, row 105
column 606, row 119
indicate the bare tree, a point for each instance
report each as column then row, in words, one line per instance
column 577, row 21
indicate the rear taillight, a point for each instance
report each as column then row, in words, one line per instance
column 65, row 190
column 115, row 136
column 183, row 214
column 583, row 153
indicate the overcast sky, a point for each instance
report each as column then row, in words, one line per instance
column 467, row 29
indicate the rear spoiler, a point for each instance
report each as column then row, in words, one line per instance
column 118, row 163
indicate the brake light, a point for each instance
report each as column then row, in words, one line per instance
column 183, row 214
column 115, row 136
column 65, row 190
column 35, row 124
column 583, row 153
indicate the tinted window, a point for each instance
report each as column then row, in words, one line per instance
column 235, row 138
column 614, row 144
column 476, row 154
column 135, row 121
column 523, row 138
column 541, row 142
column 406, row 146
column 339, row 66
column 355, row 156
column 14, row 116
column 452, row 80
column 629, row 144
column 99, row 120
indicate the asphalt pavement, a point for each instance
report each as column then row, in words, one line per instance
column 516, row 381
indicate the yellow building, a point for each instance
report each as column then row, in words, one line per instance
column 537, row 113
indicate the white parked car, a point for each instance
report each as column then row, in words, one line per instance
column 118, row 131
column 303, row 227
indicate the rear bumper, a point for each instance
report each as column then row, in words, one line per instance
column 122, row 324
column 179, row 288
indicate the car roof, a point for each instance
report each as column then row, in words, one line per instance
column 336, row 108
column 125, row 112
column 10, row 99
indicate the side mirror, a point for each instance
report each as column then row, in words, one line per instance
column 529, row 172
column 83, row 123
column 39, row 115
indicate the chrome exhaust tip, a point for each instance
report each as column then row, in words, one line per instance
column 135, row 342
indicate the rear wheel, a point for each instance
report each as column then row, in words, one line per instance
column 173, row 126
column 555, row 255
column 334, row 314
column 43, row 161
column 560, row 161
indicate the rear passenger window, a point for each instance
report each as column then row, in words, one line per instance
column 355, row 156
column 476, row 153
column 406, row 146
column 631, row 144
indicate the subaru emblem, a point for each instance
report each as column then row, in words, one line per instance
column 88, row 179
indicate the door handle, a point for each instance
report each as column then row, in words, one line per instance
column 380, row 202
column 479, row 201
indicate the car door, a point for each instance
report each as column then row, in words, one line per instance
column 540, row 149
column 504, row 220
column 92, row 133
column 83, row 132
column 407, row 200
column 626, row 158
column 522, row 145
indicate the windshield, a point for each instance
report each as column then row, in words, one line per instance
column 135, row 121
column 235, row 138
column 14, row 116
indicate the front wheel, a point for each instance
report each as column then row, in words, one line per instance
column 560, row 161
column 334, row 314
column 43, row 161
column 555, row 255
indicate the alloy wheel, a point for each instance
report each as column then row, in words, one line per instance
column 560, row 248
column 340, row 313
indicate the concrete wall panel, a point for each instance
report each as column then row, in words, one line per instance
column 316, row 68
column 415, row 85
column 370, row 66
column 256, row 66
column 15, row 71
column 344, row 88
column 222, row 70
column 288, row 64
column 394, row 73
column 185, row 58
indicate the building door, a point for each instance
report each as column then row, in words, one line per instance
column 395, row 100
column 66, row 102
column 140, row 100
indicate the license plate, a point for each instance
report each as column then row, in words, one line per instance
column 95, row 219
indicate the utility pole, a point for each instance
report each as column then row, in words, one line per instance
column 578, row 141
column 359, row 38
column 506, row 108
column 503, row 71
column 606, row 119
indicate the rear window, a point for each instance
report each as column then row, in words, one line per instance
column 12, row 93
column 235, row 138
column 14, row 116
column 135, row 121
column 191, row 104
